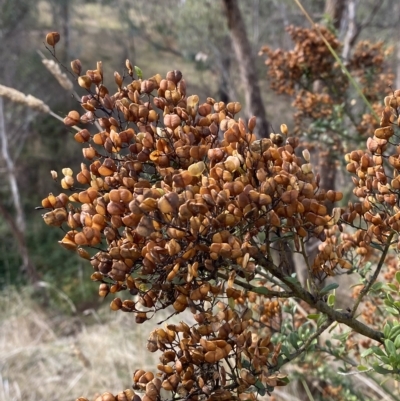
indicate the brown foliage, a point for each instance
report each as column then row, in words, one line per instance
column 179, row 205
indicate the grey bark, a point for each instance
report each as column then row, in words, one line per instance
column 351, row 30
column 16, row 225
column 397, row 28
column 246, row 62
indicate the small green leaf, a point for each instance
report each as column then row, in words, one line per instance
column 313, row 316
column 367, row 352
column 394, row 332
column 328, row 288
column 381, row 370
column 284, row 380
column 362, row 368
column 376, row 246
column 392, row 311
column 378, row 351
column 293, row 338
column 376, row 286
column 331, row 300
column 322, row 319
column 386, row 330
column 392, row 287
column 261, row 236
column 139, row 72
column 342, row 337
column 260, row 387
column 231, row 303
column 397, row 276
column 292, row 280
column 261, row 290
column 390, row 348
column 397, row 342
column 246, row 364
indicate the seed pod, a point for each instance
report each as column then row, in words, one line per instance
column 52, row 38
column 234, row 107
column 171, row 383
column 116, row 304
column 104, row 289
column 126, row 395
column 72, row 118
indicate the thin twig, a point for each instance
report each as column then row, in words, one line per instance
column 304, row 347
column 248, row 286
column 372, row 280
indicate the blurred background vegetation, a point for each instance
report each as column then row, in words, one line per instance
column 158, row 36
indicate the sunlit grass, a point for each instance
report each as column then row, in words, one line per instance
column 45, row 356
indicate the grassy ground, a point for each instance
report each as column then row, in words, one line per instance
column 45, row 356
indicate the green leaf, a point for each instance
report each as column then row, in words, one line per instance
column 392, row 287
column 261, row 236
column 285, row 351
column 328, row 288
column 331, row 300
column 362, row 368
column 376, row 246
column 322, row 319
column 284, row 380
column 139, row 72
column 260, row 387
column 293, row 339
column 397, row 342
column 392, row 311
column 245, row 363
column 378, row 351
column 390, row 348
column 342, row 337
column 367, row 352
column 231, row 303
column 292, row 280
column 376, row 286
column 381, row 370
column 261, row 290
column 386, row 330
column 397, row 276
column 394, row 332
column 313, row 316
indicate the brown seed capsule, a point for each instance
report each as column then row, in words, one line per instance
column 76, row 66
column 72, row 118
column 52, row 38
column 85, row 82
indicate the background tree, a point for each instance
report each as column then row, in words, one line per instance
column 245, row 60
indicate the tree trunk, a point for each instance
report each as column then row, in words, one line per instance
column 334, row 10
column 351, row 31
column 246, row 61
column 397, row 28
column 326, row 164
column 17, row 226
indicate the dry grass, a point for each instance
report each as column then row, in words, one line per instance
column 44, row 357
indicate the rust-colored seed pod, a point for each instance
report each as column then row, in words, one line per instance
column 116, row 304
column 106, row 397
column 104, row 290
column 52, row 38
column 73, row 118
column 171, row 383
column 76, row 66
column 126, row 395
